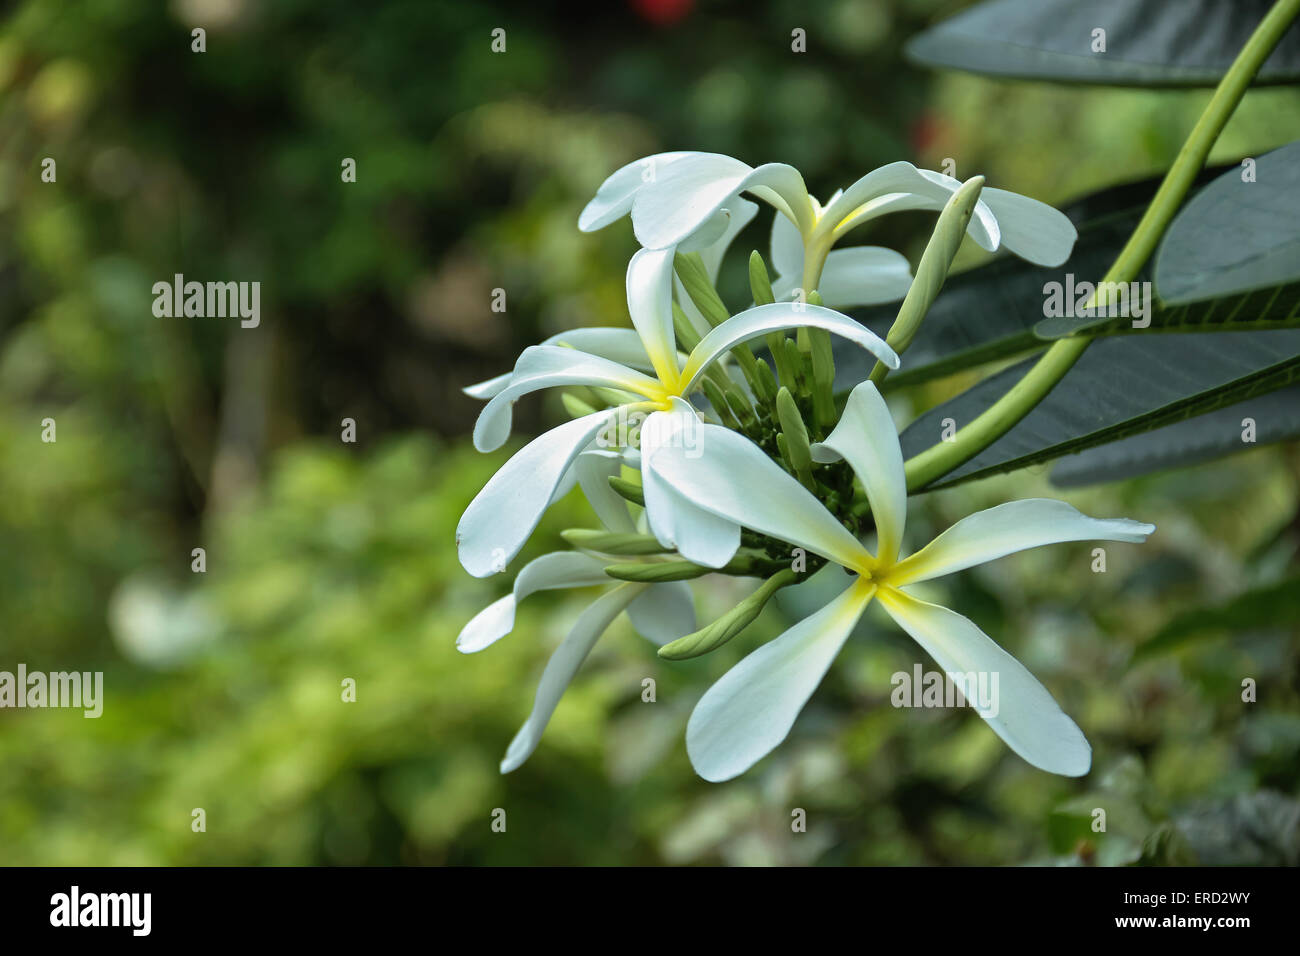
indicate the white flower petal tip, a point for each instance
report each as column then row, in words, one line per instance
column 487, row 626
column 1022, row 711
column 750, row 710
column 562, row 667
column 504, row 513
column 1033, row 230
column 559, row 569
column 1126, row 529
column 487, row 390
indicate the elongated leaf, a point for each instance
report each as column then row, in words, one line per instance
column 1270, row 606
column 1119, row 387
column 1275, row 418
column 1235, row 235
column 1150, row 43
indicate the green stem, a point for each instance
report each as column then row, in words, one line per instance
column 999, row 418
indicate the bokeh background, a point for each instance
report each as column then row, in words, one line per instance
column 328, row 560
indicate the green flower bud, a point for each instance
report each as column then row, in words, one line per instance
column 760, row 283
column 611, row 542
column 730, row 624
column 631, row 490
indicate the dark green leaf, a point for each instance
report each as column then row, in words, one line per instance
column 1235, row 235
column 1203, row 438
column 1119, row 387
column 1148, row 42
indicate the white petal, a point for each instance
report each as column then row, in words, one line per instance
column 613, row 200
column 618, row 345
column 751, row 709
column 762, row 319
column 594, row 469
column 865, row 437
column 686, row 194
column 1014, row 526
column 714, row 228
column 864, row 275
column 698, row 535
column 650, row 303
column 563, row 665
column 735, row 480
column 1024, row 713
column 1031, row 229
column 786, row 249
column 740, row 212
column 502, row 516
column 665, row 612
column 900, row 186
column 559, row 569
column 858, row 275
column 546, row 366
column 488, row 387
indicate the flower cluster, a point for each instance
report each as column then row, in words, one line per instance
column 699, row 456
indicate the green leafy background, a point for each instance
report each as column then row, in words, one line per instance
column 329, row 560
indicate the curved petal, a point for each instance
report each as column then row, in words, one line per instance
column 563, row 665
column 865, row 437
column 594, row 469
column 664, row 612
column 502, row 516
column 773, row 318
column 864, row 275
column 546, row 366
column 559, row 569
column 750, row 710
column 786, row 249
column 1014, row 526
column 735, row 480
column 1023, row 712
column 613, row 200
column 740, row 213
column 623, row 346
column 488, row 387
column 650, row 303
column 858, row 275
column 1031, row 229
column 697, row 534
column 713, row 229
column 687, row 194
column 900, row 186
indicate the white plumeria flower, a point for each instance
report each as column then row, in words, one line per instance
column 675, row 197
column 499, row 520
column 659, row 612
column 751, row 709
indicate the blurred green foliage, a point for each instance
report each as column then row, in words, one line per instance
column 328, row 561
